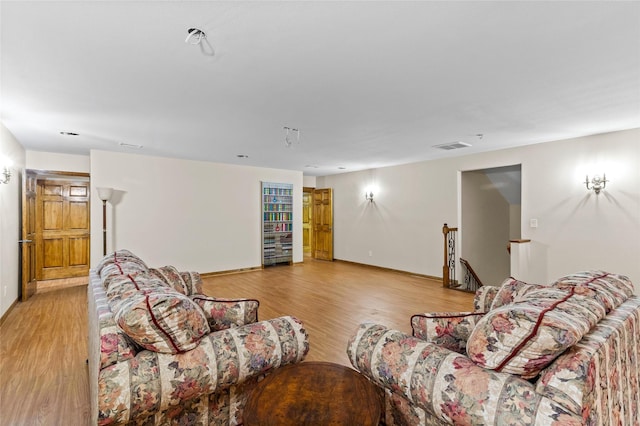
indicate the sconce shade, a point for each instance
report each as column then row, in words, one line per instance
column 5, row 163
column 105, row 193
column 7, row 175
column 597, row 183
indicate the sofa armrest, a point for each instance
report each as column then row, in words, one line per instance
column 446, row 384
column 155, row 381
column 226, row 313
column 446, row 329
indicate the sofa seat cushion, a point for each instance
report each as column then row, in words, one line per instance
column 226, row 313
column 162, row 320
column 525, row 336
column 450, row 330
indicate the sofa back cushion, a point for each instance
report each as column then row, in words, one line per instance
column 120, row 262
column 512, row 289
column 525, row 336
column 120, row 288
column 611, row 289
column 484, row 298
column 187, row 283
column 162, row 320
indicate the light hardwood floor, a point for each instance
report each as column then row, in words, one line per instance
column 43, row 342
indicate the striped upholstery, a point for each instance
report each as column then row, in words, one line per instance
column 207, row 385
column 599, row 376
column 594, row 382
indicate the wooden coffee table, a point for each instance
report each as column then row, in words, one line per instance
column 314, row 393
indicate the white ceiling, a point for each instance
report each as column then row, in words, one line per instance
column 369, row 84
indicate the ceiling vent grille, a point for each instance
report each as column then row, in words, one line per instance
column 452, row 145
column 130, row 145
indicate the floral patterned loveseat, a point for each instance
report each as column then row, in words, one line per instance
column 161, row 352
column 563, row 354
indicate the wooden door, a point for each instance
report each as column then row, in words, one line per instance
column 323, row 224
column 28, row 235
column 63, row 229
column 307, row 219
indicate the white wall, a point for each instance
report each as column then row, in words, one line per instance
column 194, row 215
column 309, row 181
column 10, row 222
column 577, row 229
column 38, row 160
column 402, row 227
column 515, row 215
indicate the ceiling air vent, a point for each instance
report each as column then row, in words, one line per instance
column 130, row 145
column 452, row 145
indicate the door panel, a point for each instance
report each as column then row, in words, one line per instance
column 63, row 207
column 78, row 251
column 52, row 215
column 78, row 218
column 52, row 249
column 77, row 191
column 29, row 285
column 323, row 224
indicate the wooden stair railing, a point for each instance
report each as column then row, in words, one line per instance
column 449, row 268
column 471, row 280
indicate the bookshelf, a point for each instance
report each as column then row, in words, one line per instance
column 277, row 223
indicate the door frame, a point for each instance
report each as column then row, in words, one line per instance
column 308, row 190
column 27, row 232
column 24, row 217
column 319, row 225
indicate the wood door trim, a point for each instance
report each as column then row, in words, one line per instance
column 47, row 174
column 28, row 236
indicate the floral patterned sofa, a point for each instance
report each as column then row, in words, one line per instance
column 162, row 352
column 563, row 354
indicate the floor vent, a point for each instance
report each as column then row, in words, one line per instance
column 452, row 145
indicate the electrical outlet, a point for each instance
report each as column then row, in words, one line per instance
column 4, row 291
column 533, row 223
column 370, row 253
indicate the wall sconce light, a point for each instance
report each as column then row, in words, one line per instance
column 596, row 182
column 104, row 194
column 368, row 195
column 6, row 164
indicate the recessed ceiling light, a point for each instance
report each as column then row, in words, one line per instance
column 311, row 166
column 242, row 156
column 342, row 168
column 68, row 134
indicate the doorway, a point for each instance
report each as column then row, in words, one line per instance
column 490, row 218
column 55, row 227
